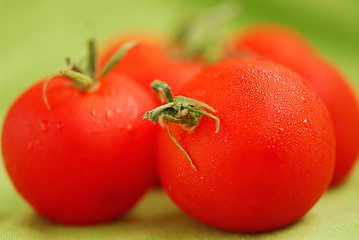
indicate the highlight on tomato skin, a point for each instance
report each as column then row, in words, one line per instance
column 269, row 163
column 79, row 163
column 289, row 48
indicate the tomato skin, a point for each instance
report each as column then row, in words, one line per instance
column 142, row 60
column 176, row 73
column 343, row 109
column 285, row 46
column 90, row 158
column 271, row 160
column 277, row 43
column 151, row 60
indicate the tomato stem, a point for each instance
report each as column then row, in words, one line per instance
column 202, row 34
column 92, row 59
column 178, row 145
column 179, row 110
column 117, row 57
column 158, row 86
column 87, row 80
column 81, row 80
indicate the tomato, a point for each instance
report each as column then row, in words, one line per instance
column 269, row 163
column 153, row 59
column 87, row 160
column 177, row 73
column 141, row 61
column 285, row 46
column 276, row 42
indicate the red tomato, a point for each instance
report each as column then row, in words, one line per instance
column 86, row 161
column 177, row 73
column 271, row 160
column 290, row 49
column 141, row 61
column 151, row 60
column 276, row 42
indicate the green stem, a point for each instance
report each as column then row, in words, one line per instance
column 92, row 59
column 202, row 34
column 85, row 80
column 179, row 110
column 44, row 88
column 154, row 115
column 178, row 145
column 117, row 57
column 158, row 86
column 81, row 80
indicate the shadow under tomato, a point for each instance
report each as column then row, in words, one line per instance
column 166, row 222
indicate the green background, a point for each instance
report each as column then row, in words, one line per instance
column 35, row 36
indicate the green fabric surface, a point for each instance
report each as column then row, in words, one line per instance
column 335, row 216
column 35, row 37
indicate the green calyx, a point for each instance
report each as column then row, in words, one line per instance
column 179, row 110
column 86, row 78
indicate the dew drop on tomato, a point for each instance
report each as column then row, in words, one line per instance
column 108, row 113
column 30, row 145
column 60, row 125
column 93, row 113
column 118, row 111
column 120, row 126
column 44, row 126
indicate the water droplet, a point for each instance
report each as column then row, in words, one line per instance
column 129, row 127
column 108, row 113
column 201, row 177
column 281, row 129
column 60, row 125
column 93, row 113
column 132, row 103
column 120, row 126
column 303, row 98
column 305, row 120
column 118, row 111
column 44, row 125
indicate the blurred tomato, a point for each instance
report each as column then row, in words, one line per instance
column 287, row 47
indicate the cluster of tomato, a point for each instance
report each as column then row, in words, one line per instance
column 253, row 144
